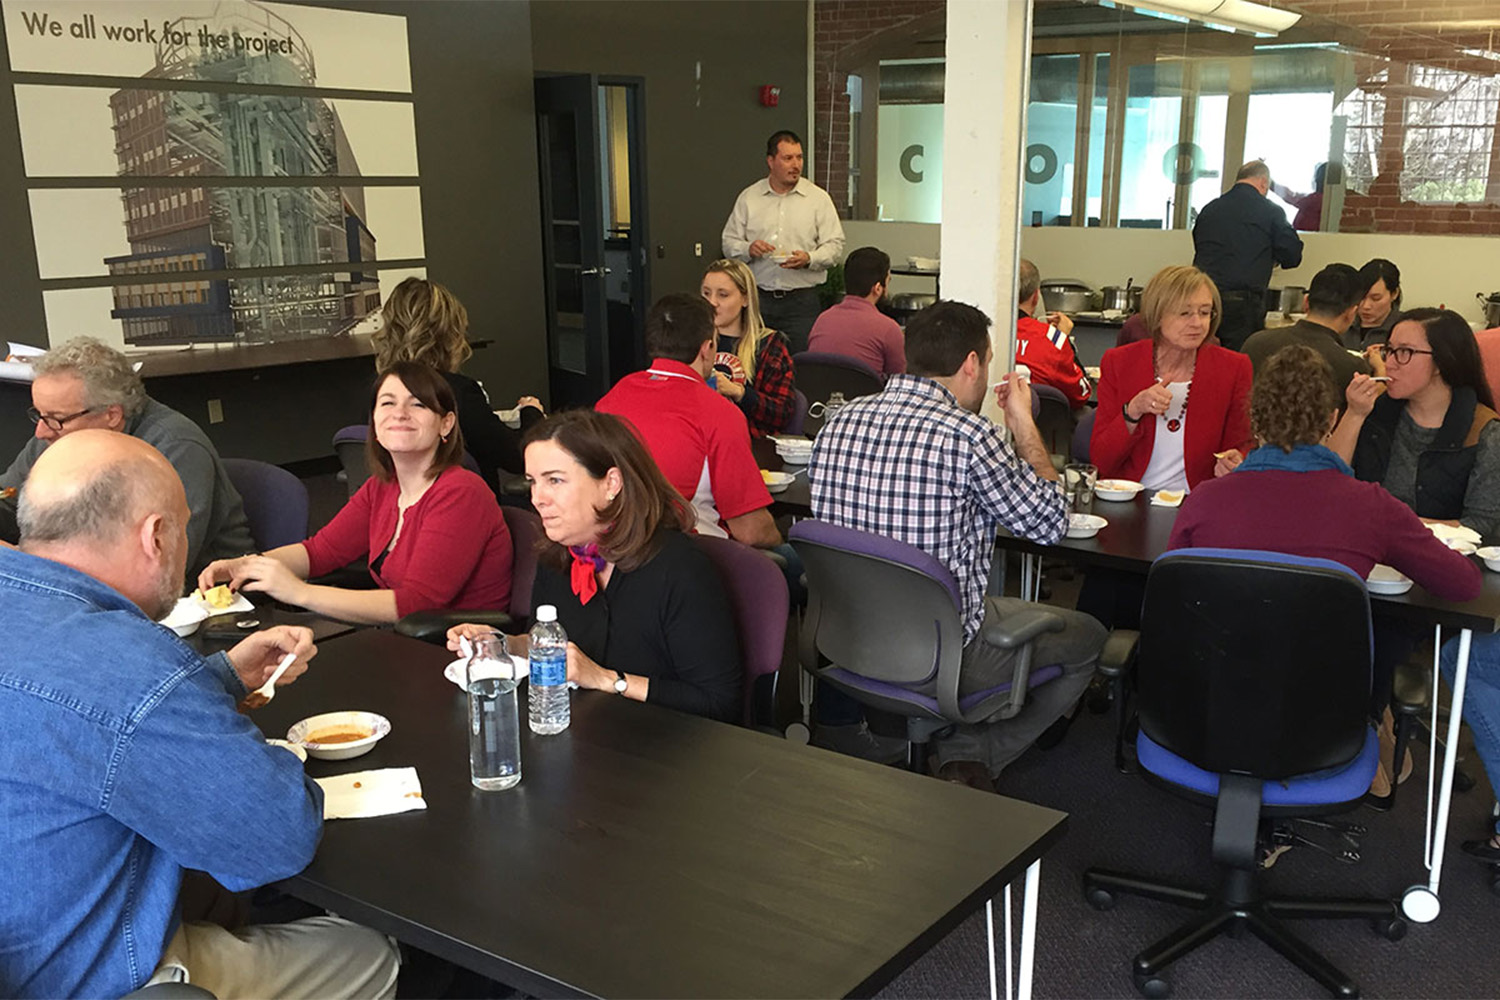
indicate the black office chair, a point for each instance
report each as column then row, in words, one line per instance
column 525, row 529
column 1083, row 432
column 820, row 374
column 1253, row 686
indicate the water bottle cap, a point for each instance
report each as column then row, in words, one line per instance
column 546, row 613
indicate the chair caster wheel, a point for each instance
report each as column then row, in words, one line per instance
column 1100, row 899
column 1393, row 929
column 1152, row 986
column 1463, row 781
column 798, row 733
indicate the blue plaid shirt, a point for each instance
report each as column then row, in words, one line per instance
column 912, row 464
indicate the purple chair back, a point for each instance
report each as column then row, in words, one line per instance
column 525, row 537
column 886, row 617
column 275, row 501
column 758, row 596
column 799, row 415
column 1082, row 434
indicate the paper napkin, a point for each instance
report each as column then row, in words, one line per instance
column 363, row 794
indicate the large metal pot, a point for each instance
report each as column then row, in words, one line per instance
column 907, row 304
column 1068, row 295
column 1491, row 304
column 1125, row 300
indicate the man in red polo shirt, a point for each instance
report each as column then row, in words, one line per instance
column 1043, row 344
column 698, row 438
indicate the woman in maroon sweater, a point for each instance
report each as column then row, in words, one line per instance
column 430, row 528
column 1279, row 497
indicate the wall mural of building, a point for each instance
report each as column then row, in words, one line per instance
column 174, row 231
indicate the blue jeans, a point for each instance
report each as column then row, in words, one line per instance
column 1481, row 699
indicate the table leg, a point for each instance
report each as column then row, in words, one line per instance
column 1420, row 903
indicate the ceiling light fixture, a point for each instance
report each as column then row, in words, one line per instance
column 1240, row 15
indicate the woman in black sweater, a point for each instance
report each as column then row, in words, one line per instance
column 425, row 322
column 644, row 608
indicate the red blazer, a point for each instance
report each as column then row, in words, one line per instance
column 1218, row 417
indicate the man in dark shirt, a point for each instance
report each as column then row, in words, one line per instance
column 1332, row 299
column 1238, row 238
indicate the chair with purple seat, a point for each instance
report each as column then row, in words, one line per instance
column 349, row 446
column 275, row 501
column 884, row 624
column 1253, row 683
column 758, row 596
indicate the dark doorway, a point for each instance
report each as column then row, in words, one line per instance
column 591, row 144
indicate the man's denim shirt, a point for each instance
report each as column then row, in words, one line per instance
column 122, row 762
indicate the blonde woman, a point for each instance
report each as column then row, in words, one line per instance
column 425, row 323
column 753, row 367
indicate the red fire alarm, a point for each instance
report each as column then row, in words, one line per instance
column 770, row 96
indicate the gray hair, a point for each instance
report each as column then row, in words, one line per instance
column 97, row 510
column 1028, row 280
column 1253, row 170
column 108, row 378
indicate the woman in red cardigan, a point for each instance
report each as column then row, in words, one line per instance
column 1173, row 410
column 430, row 528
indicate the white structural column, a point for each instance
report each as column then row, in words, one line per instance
column 984, row 137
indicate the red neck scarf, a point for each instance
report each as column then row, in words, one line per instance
column 587, row 563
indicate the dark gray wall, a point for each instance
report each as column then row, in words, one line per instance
column 476, row 146
column 705, row 135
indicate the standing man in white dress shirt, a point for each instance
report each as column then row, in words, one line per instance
column 785, row 227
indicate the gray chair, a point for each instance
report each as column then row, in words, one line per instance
column 1082, row 433
column 1054, row 418
column 883, row 623
column 349, row 446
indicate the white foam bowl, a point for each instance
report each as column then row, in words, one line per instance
column 777, row 481
column 295, row 749
column 185, row 617
column 1117, row 489
column 378, row 725
column 1084, row 525
column 1387, row 580
column 795, row 451
column 1462, row 546
column 924, row 263
column 1491, row 556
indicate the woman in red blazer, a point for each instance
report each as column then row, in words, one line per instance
column 1173, row 410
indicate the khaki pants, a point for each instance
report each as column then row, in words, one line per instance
column 324, row 957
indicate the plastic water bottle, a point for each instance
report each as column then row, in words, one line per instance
column 835, row 403
column 547, row 692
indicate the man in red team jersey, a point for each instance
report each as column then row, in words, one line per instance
column 1044, row 345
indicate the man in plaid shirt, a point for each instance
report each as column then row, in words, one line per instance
column 917, row 463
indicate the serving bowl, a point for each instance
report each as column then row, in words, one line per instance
column 185, row 617
column 1387, row 580
column 1491, row 556
column 1084, row 525
column 776, row 481
column 1117, row 489
column 330, row 724
column 924, row 263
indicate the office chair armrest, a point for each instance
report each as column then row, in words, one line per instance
column 514, row 486
column 433, row 626
column 1118, row 654
column 1020, row 628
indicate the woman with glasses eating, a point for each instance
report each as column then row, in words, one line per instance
column 1429, row 433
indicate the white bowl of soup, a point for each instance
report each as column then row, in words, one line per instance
column 339, row 735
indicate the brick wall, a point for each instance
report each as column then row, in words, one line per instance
column 843, row 29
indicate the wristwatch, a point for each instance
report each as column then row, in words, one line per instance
column 620, row 682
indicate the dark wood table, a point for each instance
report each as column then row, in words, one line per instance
column 1138, row 532
column 648, row 853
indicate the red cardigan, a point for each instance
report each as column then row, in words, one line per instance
column 1218, row 417
column 454, row 550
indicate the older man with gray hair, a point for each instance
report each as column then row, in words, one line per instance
column 124, row 761
column 85, row 384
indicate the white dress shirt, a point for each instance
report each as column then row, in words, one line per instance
column 802, row 219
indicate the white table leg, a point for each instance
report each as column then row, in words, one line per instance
column 1028, row 929
column 1019, row 987
column 1420, row 903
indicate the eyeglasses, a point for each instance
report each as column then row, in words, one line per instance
column 56, row 423
column 1403, row 355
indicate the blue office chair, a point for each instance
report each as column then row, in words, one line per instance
column 883, row 623
column 1253, row 688
column 275, row 501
